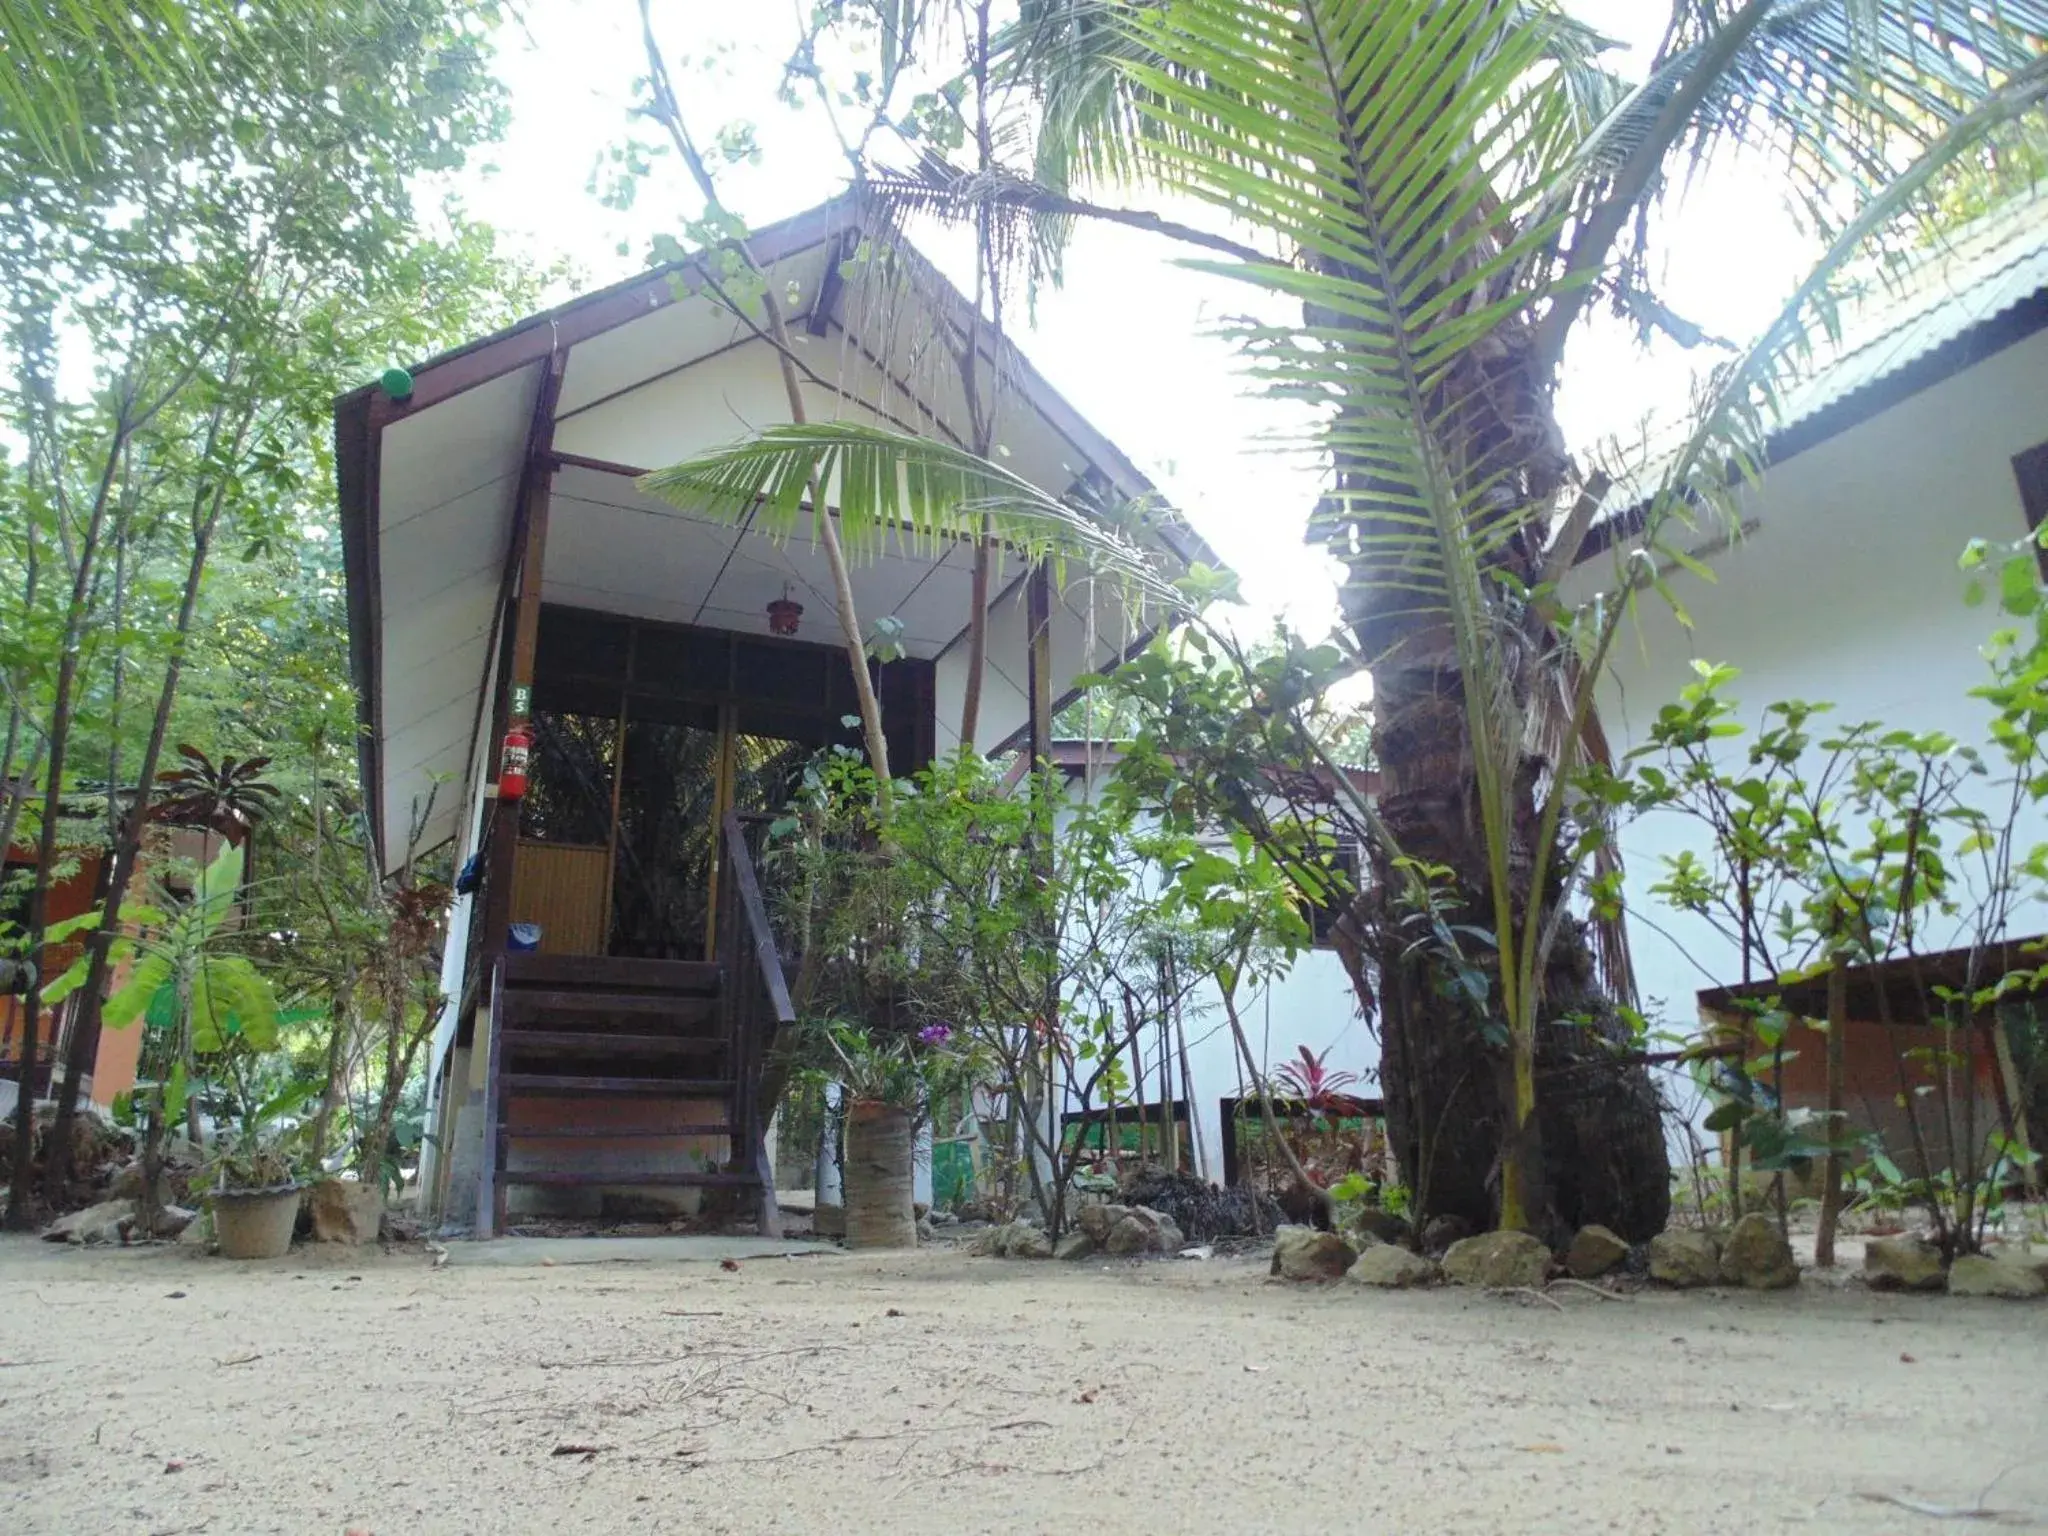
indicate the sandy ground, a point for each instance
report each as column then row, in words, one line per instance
column 163, row 1392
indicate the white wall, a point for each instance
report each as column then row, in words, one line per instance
column 1846, row 592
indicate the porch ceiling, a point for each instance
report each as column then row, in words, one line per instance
column 614, row 549
column 654, row 371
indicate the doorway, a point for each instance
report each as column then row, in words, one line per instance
column 645, row 736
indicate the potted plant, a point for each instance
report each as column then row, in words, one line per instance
column 890, row 1077
column 255, row 1167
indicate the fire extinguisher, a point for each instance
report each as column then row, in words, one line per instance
column 513, row 763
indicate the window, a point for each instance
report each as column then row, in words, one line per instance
column 2031, row 470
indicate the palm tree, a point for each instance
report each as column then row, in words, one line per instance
column 1445, row 187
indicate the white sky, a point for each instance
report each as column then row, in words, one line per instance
column 1126, row 339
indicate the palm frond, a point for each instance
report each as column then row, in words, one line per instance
column 1389, row 146
column 1729, row 430
column 1073, row 54
column 1841, row 92
column 893, row 491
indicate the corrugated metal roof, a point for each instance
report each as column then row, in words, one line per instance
column 1977, row 274
column 1898, row 315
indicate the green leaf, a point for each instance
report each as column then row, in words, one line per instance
column 231, row 999
column 175, row 1094
column 151, row 977
column 2018, row 591
column 1726, row 1116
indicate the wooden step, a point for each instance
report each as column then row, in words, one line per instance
column 646, row 1087
column 532, row 970
column 587, row 1177
column 522, row 1005
column 602, row 1043
column 613, row 1133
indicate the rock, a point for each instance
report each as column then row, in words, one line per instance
column 1394, row 1268
column 2007, row 1276
column 944, row 1219
column 1757, row 1257
column 1142, row 1230
column 1381, row 1226
column 926, row 1232
column 1303, row 1253
column 198, row 1232
column 173, row 1220
column 1594, row 1252
column 1024, row 1241
column 107, row 1222
column 1499, row 1260
column 1684, row 1258
column 1099, row 1220
column 1443, row 1231
column 126, row 1183
column 345, row 1211
column 920, row 1210
column 987, row 1243
column 1074, row 1245
column 1903, row 1264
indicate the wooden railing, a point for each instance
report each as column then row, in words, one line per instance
column 756, row 1000
column 490, row 1190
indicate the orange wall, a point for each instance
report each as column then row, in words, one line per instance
column 1871, row 1059
column 68, row 898
column 120, row 1050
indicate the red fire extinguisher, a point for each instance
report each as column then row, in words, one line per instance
column 513, row 763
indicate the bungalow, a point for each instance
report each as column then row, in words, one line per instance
column 611, row 977
column 1927, row 426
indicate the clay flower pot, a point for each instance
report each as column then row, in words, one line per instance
column 880, row 1152
column 255, row 1223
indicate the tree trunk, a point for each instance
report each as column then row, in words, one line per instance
column 127, row 852
column 1594, row 1150
column 1832, row 1165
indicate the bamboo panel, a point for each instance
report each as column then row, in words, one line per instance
column 564, row 890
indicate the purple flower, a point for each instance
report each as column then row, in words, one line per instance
column 935, row 1034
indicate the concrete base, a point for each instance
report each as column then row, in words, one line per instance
column 464, row 1149
column 530, row 1252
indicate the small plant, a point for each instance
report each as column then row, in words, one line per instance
column 228, row 797
column 1902, row 858
column 908, row 1069
column 265, row 1147
column 1312, row 1084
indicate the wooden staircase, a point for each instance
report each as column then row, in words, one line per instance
column 599, row 1030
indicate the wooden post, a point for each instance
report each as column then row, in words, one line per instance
column 1038, row 644
column 528, row 550
column 528, row 547
column 1832, row 1164
column 1038, row 618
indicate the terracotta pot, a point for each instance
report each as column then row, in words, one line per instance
column 255, row 1223
column 880, row 1153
